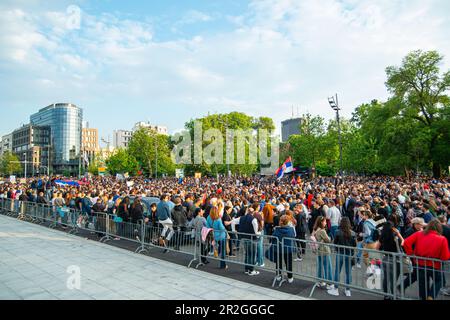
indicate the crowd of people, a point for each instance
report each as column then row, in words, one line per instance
column 363, row 214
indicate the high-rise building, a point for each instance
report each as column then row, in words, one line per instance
column 89, row 144
column 289, row 128
column 122, row 138
column 6, row 144
column 31, row 144
column 157, row 129
column 65, row 122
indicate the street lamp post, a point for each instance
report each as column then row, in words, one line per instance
column 335, row 106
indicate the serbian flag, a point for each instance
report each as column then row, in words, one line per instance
column 287, row 167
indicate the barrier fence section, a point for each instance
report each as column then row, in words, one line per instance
column 236, row 248
column 387, row 274
column 391, row 275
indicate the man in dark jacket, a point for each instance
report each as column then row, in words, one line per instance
column 248, row 228
column 188, row 204
column 98, row 206
column 301, row 228
column 417, row 225
column 41, row 199
column 179, row 216
column 163, row 214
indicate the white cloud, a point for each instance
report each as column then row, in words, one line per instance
column 281, row 53
column 194, row 16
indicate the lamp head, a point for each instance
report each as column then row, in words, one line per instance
column 332, row 103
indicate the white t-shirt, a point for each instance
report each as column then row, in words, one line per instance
column 335, row 216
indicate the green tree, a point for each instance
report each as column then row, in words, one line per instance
column 9, row 164
column 222, row 122
column 151, row 149
column 313, row 147
column 420, row 90
column 93, row 167
column 122, row 162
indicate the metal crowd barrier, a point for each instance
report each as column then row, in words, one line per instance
column 386, row 274
column 241, row 249
column 176, row 239
column 113, row 229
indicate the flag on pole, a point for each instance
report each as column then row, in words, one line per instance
column 86, row 159
column 287, row 167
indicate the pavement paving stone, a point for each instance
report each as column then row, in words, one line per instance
column 37, row 264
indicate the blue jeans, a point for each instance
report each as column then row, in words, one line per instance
column 250, row 249
column 430, row 282
column 324, row 271
column 343, row 260
column 333, row 231
column 268, row 227
column 260, row 250
column 222, row 252
column 232, row 242
column 359, row 252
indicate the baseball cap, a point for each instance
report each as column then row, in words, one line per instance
column 420, row 221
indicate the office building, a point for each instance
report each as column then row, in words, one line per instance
column 89, row 144
column 122, row 138
column 6, row 144
column 65, row 122
column 31, row 144
column 289, row 128
column 157, row 129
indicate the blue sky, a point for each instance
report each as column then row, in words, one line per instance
column 169, row 61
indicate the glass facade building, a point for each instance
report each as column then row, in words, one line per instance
column 65, row 121
column 289, row 128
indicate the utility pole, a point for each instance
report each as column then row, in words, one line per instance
column 340, row 136
column 334, row 103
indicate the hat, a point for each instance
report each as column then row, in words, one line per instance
column 418, row 221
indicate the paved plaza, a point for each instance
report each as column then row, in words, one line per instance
column 34, row 264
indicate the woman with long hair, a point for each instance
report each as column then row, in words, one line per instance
column 227, row 221
column 390, row 240
column 123, row 215
column 220, row 233
column 324, row 271
column 344, row 237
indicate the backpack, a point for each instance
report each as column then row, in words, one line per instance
column 179, row 216
column 314, row 244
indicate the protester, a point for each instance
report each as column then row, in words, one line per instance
column 324, row 271
column 164, row 218
column 368, row 200
column 301, row 228
column 390, row 241
column 429, row 244
column 220, row 235
column 345, row 239
column 286, row 233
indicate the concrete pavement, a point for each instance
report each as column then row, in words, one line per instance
column 34, row 265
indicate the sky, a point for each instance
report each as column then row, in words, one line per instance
column 169, row 61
